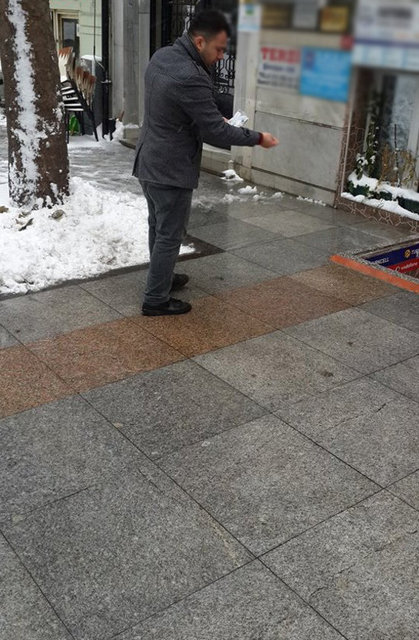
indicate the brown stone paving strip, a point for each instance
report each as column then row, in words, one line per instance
column 210, row 325
column 344, row 284
column 50, row 369
column 283, row 302
column 25, row 382
column 96, row 356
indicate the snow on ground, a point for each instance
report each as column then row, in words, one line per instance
column 101, row 227
column 97, row 231
column 247, row 190
column 320, row 202
column 231, row 176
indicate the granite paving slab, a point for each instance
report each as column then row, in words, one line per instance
column 167, row 409
column 288, row 223
column 387, row 231
column 54, row 451
column 49, row 313
column 26, row 382
column 408, row 489
column 244, row 209
column 25, row 613
column 205, row 212
column 358, row 339
column 276, row 369
column 403, row 377
column 210, row 325
column 231, row 234
column 282, row 302
column 337, row 217
column 118, row 552
column 6, row 339
column 344, row 284
column 326, row 213
column 249, row 603
column 224, row 271
column 383, row 445
column 265, row 482
column 98, row 355
column 338, row 239
column 402, row 309
column 359, row 569
column 284, row 257
column 335, row 408
column 124, row 293
column 121, row 292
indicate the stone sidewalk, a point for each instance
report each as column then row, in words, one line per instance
column 249, row 470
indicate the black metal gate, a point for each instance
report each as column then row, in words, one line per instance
column 169, row 20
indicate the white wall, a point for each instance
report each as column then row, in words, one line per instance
column 310, row 130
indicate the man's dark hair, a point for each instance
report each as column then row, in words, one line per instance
column 209, row 23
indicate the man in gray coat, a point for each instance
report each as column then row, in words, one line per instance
column 180, row 114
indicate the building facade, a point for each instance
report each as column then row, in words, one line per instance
column 307, row 72
column 77, row 24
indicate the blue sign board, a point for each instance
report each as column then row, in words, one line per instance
column 403, row 259
column 325, row 73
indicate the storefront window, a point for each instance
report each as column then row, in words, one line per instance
column 398, row 107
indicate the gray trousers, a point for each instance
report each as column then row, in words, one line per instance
column 168, row 216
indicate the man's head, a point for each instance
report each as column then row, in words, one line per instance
column 210, row 31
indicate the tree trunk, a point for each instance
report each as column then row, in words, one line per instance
column 38, row 159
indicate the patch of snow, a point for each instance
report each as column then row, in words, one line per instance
column 277, row 195
column 229, row 198
column 320, row 202
column 99, row 231
column 247, row 190
column 386, row 205
column 375, row 185
column 231, row 176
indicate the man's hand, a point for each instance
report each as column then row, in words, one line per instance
column 268, row 140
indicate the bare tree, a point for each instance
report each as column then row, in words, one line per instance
column 38, row 159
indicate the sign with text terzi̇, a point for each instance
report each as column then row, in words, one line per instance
column 280, row 67
column 387, row 34
column 325, row 73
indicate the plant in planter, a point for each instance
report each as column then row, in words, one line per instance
column 359, row 189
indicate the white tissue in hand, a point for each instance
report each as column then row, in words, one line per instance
column 239, row 119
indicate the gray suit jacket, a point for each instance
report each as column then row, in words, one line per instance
column 181, row 114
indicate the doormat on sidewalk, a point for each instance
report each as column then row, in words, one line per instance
column 396, row 264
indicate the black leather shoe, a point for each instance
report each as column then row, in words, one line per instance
column 179, row 281
column 172, row 307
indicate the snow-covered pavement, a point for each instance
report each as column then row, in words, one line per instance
column 101, row 226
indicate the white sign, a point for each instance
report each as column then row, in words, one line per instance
column 280, row 67
column 250, row 16
column 387, row 34
column 387, row 21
